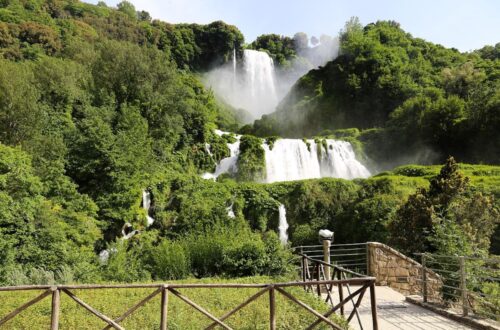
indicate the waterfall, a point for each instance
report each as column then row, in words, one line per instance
column 294, row 159
column 283, row 225
column 250, row 86
column 104, row 257
column 230, row 211
column 228, row 164
column 146, row 205
column 234, row 66
column 260, row 81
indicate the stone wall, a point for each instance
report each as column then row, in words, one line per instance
column 400, row 272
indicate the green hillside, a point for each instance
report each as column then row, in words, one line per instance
column 411, row 99
column 100, row 104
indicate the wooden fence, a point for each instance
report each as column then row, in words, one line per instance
column 166, row 289
column 314, row 271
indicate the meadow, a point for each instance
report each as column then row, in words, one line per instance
column 114, row 302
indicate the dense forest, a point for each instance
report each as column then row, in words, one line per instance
column 98, row 104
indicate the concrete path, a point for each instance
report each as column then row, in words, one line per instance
column 395, row 313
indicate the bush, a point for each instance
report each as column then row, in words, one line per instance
column 234, row 250
column 124, row 265
column 247, row 259
column 169, row 261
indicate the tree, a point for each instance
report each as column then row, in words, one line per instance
column 300, row 41
column 351, row 33
column 36, row 231
column 144, row 16
column 128, row 9
column 448, row 217
column 21, row 116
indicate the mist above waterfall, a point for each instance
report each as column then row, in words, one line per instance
column 255, row 84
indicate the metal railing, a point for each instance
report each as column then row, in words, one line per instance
column 467, row 283
column 352, row 256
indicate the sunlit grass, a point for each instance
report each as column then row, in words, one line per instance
column 114, row 302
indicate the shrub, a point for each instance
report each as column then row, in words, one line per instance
column 124, row 265
column 169, row 261
column 247, row 259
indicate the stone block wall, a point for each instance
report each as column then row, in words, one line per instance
column 392, row 268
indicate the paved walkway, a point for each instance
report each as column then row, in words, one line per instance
column 395, row 313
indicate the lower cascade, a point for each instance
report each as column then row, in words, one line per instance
column 295, row 159
column 283, row 225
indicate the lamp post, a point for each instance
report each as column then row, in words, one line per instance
column 326, row 238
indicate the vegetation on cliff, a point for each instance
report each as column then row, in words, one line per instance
column 99, row 104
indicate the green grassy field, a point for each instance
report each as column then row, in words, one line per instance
column 114, row 302
column 485, row 178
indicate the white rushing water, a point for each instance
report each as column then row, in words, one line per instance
column 294, row 159
column 259, row 79
column 250, row 86
column 146, row 204
column 230, row 211
column 228, row 164
column 283, row 225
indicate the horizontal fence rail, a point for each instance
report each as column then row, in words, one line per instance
column 165, row 290
column 353, row 256
column 467, row 283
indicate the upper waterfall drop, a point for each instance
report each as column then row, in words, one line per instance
column 259, row 79
column 250, row 84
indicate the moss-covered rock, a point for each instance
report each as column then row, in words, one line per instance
column 251, row 160
column 270, row 141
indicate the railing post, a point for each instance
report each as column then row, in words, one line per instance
column 373, row 302
column 424, row 278
column 326, row 257
column 368, row 271
column 341, row 294
column 56, row 302
column 164, row 307
column 304, row 270
column 463, row 286
column 318, row 278
column 272, row 309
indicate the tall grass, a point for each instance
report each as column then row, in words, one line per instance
column 113, row 302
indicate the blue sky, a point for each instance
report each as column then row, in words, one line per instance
column 463, row 24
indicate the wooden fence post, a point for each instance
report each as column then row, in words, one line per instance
column 56, row 302
column 341, row 294
column 272, row 309
column 304, row 269
column 373, row 302
column 318, row 278
column 424, row 279
column 164, row 307
column 463, row 286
